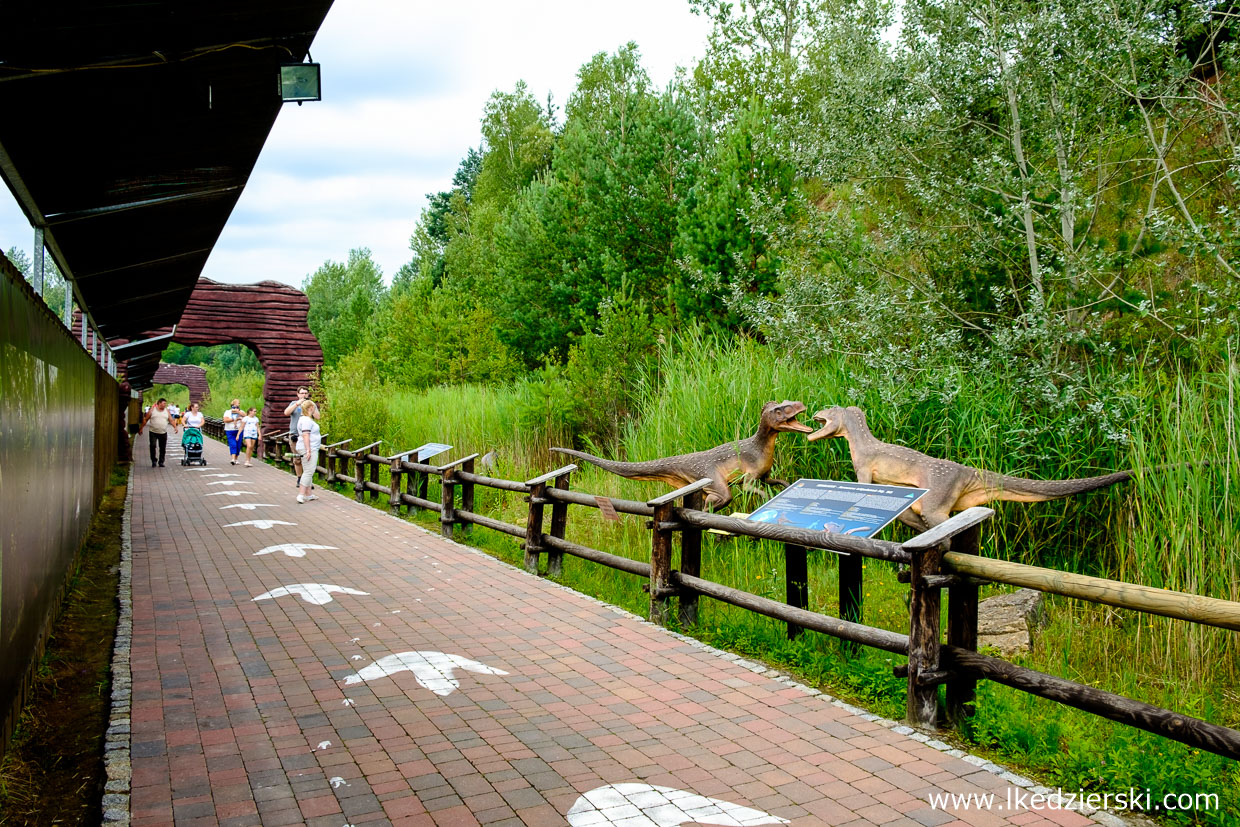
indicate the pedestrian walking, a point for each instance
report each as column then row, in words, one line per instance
column 160, row 420
column 251, row 433
column 293, row 410
column 232, row 429
column 309, row 440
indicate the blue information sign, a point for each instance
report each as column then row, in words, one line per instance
column 855, row 508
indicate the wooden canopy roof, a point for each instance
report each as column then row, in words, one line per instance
column 129, row 129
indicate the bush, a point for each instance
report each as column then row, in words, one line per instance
column 354, row 399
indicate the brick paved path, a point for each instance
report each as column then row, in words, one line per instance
column 281, row 711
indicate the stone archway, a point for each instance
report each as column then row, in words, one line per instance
column 270, row 319
column 191, row 376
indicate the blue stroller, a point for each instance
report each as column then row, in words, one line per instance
column 191, row 446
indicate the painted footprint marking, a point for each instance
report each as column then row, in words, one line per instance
column 316, row 593
column 263, row 525
column 433, row 670
column 289, row 549
column 645, row 805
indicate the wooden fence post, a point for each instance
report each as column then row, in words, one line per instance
column 359, row 475
column 447, row 499
column 533, row 526
column 925, row 672
column 534, row 520
column 690, row 561
column 850, row 594
column 663, row 526
column 394, row 484
column 796, row 582
column 374, row 479
column 447, row 493
column 559, row 522
column 467, row 495
column 962, row 627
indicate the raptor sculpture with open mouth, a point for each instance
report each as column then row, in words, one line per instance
column 749, row 458
column 951, row 486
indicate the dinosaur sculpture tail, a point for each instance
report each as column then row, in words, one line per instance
column 1020, row 489
column 653, row 470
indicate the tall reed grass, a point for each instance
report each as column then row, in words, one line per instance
column 1174, row 526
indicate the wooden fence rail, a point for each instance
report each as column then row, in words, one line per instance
column 946, row 557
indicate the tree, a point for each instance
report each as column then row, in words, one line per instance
column 343, row 297
column 54, row 284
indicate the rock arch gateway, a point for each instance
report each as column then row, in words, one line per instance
column 269, row 318
column 191, row 376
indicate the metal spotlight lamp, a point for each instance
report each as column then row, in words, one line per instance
column 300, row 82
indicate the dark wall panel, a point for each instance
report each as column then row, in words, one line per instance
column 59, row 417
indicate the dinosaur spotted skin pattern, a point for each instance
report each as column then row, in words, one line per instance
column 952, row 487
column 749, row 458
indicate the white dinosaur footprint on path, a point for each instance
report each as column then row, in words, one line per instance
column 228, row 493
column 259, row 524
column 247, row 506
column 316, row 593
column 289, row 549
column 645, row 805
column 227, row 482
column 221, row 475
column 433, row 670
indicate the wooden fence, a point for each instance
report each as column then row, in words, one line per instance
column 946, row 557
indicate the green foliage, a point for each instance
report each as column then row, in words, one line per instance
column 342, row 298
column 53, row 282
column 353, row 400
column 607, row 371
column 429, row 337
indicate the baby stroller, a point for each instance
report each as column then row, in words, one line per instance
column 191, row 446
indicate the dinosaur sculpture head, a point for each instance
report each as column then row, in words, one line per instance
column 782, row 416
column 832, row 422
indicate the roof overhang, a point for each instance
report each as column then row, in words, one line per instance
column 131, row 128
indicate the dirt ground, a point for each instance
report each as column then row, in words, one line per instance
column 53, row 770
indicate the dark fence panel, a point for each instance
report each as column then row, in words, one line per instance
column 59, row 433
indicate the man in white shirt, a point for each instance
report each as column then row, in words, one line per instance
column 160, row 420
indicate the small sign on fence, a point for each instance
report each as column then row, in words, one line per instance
column 430, row 449
column 606, row 508
column 855, row 508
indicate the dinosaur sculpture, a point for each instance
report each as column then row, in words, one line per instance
column 750, row 458
column 952, row 486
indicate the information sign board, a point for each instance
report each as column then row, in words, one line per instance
column 855, row 508
column 430, row 449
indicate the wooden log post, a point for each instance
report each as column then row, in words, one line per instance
column 663, row 527
column 533, row 527
column 447, row 500
column 360, row 461
column 962, row 628
column 447, row 494
column 359, row 476
column 467, row 494
column 690, row 562
column 850, row 594
column 925, row 672
column 411, row 488
column 394, row 472
column 374, row 479
column 796, row 582
column 924, row 639
column 534, row 519
column 559, row 523
column 334, row 460
column 423, row 485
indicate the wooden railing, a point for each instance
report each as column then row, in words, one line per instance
column 945, row 557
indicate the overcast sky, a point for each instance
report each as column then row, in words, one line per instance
column 404, row 84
